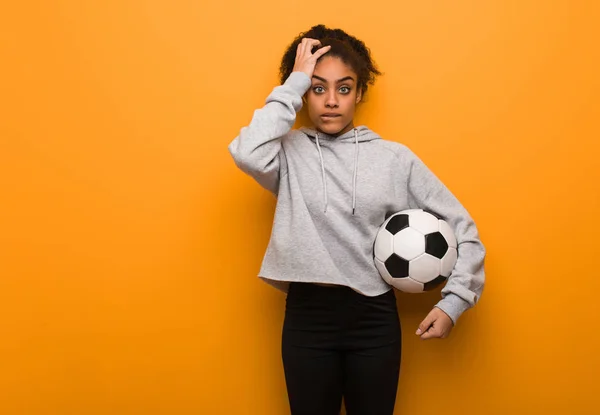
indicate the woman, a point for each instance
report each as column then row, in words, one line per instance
column 335, row 184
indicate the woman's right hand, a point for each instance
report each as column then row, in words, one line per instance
column 305, row 60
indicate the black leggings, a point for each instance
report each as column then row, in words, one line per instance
column 338, row 343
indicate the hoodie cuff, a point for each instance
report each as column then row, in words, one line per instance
column 299, row 82
column 453, row 305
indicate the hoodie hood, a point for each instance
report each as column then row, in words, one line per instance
column 358, row 135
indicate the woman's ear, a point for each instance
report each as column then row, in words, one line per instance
column 358, row 96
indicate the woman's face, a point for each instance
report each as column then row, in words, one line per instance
column 332, row 98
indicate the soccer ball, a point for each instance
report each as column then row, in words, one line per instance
column 415, row 250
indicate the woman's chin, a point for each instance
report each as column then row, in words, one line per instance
column 329, row 128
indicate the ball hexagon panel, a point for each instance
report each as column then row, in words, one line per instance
column 424, row 268
column 408, row 285
column 424, row 222
column 383, row 271
column 448, row 262
column 446, row 230
column 384, row 245
column 434, row 214
column 409, row 243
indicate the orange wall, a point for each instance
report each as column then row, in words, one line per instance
column 130, row 243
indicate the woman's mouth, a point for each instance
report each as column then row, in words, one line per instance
column 330, row 116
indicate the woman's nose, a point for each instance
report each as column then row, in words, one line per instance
column 331, row 100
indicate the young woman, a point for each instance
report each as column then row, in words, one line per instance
column 335, row 183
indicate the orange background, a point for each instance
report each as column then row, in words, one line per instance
column 130, row 243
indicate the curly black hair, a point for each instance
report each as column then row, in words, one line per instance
column 352, row 51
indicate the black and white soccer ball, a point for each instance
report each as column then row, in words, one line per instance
column 415, row 250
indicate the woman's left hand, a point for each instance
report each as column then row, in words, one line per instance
column 437, row 324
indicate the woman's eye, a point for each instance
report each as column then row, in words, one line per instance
column 318, row 89
column 345, row 90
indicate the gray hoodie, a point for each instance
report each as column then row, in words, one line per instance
column 333, row 194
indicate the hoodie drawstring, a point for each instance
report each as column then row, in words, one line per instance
column 325, row 200
column 355, row 171
column 322, row 175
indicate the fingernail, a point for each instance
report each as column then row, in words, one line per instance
column 418, row 332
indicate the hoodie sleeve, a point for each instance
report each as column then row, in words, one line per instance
column 256, row 149
column 466, row 282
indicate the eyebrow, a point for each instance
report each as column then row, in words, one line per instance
column 338, row 81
